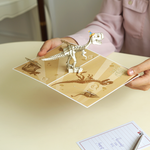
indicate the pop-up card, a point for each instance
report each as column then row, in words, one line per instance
column 76, row 72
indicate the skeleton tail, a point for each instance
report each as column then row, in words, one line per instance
column 59, row 55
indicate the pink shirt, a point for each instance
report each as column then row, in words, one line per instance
column 125, row 25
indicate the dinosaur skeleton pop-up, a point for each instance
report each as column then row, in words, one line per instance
column 71, row 50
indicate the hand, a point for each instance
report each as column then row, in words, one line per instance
column 52, row 43
column 142, row 82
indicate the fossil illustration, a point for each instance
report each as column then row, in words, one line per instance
column 87, row 94
column 82, row 79
column 31, row 67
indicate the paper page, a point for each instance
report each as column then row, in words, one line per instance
column 123, row 137
column 99, row 78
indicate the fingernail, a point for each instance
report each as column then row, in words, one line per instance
column 131, row 72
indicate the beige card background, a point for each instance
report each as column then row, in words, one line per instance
column 100, row 69
column 85, row 88
column 52, row 70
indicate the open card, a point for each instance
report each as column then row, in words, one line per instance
column 100, row 76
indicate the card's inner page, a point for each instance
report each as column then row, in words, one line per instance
column 48, row 71
column 100, row 76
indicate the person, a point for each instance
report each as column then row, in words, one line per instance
column 125, row 25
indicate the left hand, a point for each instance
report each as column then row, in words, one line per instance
column 142, row 82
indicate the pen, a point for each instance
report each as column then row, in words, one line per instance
column 138, row 142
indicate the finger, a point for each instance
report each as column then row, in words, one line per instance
column 139, row 68
column 42, row 52
column 45, row 47
column 48, row 45
column 142, row 82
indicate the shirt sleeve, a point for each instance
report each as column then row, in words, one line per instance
column 109, row 22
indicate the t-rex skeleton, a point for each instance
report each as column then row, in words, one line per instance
column 71, row 49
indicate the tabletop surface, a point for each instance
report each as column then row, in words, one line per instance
column 34, row 117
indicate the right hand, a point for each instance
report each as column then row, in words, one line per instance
column 52, row 43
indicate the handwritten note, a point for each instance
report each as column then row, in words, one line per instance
column 123, row 137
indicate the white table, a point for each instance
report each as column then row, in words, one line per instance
column 34, row 117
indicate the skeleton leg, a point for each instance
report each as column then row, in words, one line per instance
column 74, row 63
column 68, row 61
column 83, row 54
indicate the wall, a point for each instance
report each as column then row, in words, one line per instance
column 69, row 16
column 64, row 17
